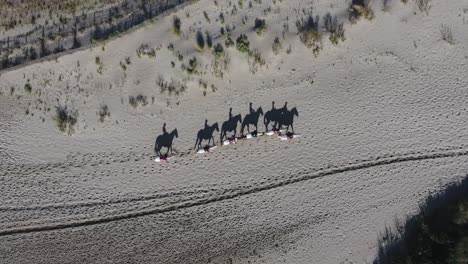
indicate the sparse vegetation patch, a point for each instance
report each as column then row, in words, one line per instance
column 139, row 100
column 66, row 119
column 308, row 30
column 103, row 112
column 260, row 26
column 145, row 49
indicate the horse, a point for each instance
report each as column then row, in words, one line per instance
column 206, row 133
column 230, row 125
column 165, row 140
column 287, row 118
column 272, row 115
column 251, row 119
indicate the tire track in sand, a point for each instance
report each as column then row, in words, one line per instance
column 231, row 194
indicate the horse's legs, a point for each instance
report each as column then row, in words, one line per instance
column 292, row 128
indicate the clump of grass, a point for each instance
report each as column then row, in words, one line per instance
column 360, row 8
column 192, row 67
column 100, row 65
column 207, row 18
column 446, row 33
column 309, row 34
column 229, row 42
column 145, row 49
column 256, row 60
column 176, row 25
column 423, row 6
column 221, row 63
column 218, row 50
column 335, row 29
column 66, row 119
column 28, row 87
column 221, row 17
column 260, row 26
column 242, row 43
column 277, row 46
column 173, row 87
column 138, row 100
column 103, row 112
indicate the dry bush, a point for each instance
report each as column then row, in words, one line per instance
column 103, row 112
column 308, row 30
column 138, row 100
column 277, row 46
column 335, row 29
column 221, row 65
column 66, row 119
column 28, row 87
column 176, row 25
column 218, row 50
column 256, row 60
column 446, row 33
column 260, row 26
column 423, row 5
column 360, row 8
column 173, row 87
column 192, row 67
column 145, row 49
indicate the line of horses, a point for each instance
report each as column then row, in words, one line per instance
column 277, row 117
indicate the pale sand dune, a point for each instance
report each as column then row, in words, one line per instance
column 383, row 117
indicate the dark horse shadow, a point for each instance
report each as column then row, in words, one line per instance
column 251, row 119
column 165, row 140
column 206, row 134
column 273, row 116
column 287, row 119
column 230, row 125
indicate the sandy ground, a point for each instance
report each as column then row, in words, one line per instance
column 383, row 117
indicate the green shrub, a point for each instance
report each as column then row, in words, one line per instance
column 260, row 26
column 27, row 87
column 218, row 50
column 176, row 25
column 242, row 43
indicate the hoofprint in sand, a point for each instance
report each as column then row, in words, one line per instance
column 383, row 123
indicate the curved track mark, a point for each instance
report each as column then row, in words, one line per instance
column 237, row 193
